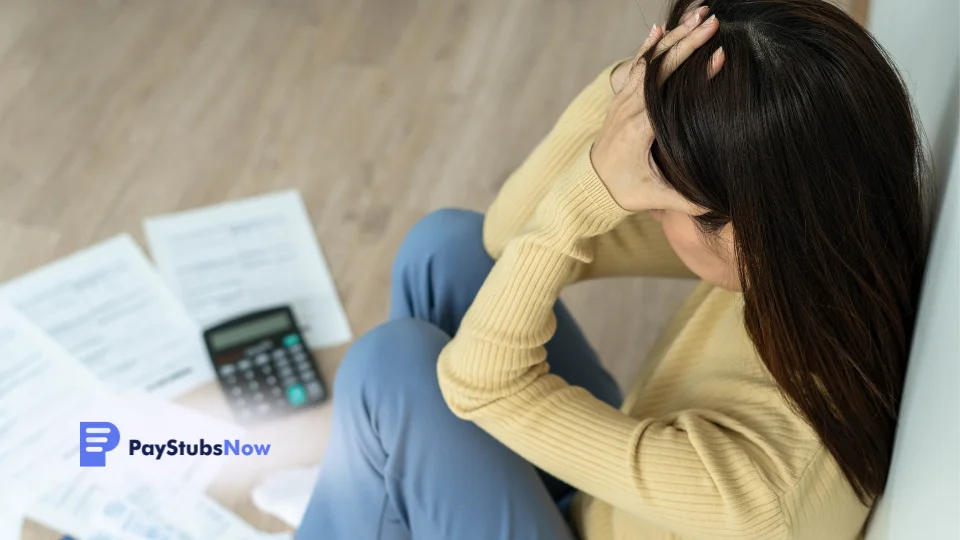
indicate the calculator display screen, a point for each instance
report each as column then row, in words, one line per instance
column 250, row 331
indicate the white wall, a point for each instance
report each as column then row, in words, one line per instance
column 923, row 36
column 923, row 493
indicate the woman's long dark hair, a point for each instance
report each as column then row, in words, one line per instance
column 805, row 142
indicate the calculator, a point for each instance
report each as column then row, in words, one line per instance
column 264, row 366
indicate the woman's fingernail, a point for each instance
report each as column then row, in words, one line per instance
column 711, row 20
column 653, row 31
column 717, row 58
column 692, row 22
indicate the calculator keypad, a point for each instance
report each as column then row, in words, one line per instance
column 270, row 383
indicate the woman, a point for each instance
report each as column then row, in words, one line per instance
column 770, row 151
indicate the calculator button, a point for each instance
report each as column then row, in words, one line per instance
column 263, row 408
column 308, row 376
column 314, row 390
column 285, row 371
column 277, row 392
column 258, row 397
column 290, row 340
column 261, row 359
column 253, row 385
column 271, row 380
column 228, row 369
column 236, row 391
column 296, row 348
column 279, row 353
column 244, row 364
column 289, row 381
column 266, row 370
column 296, row 395
column 249, row 375
column 230, row 379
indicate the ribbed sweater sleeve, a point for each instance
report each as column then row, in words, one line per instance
column 689, row 473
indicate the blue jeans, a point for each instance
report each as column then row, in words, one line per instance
column 399, row 464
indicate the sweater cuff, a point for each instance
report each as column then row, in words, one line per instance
column 596, row 191
column 581, row 205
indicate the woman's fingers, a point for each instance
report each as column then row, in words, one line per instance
column 688, row 24
column 656, row 33
column 635, row 74
column 685, row 47
column 716, row 62
column 652, row 38
column 689, row 13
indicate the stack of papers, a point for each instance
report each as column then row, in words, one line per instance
column 103, row 336
column 110, row 310
column 44, row 395
column 142, row 511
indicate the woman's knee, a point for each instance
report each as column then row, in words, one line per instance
column 395, row 357
column 447, row 235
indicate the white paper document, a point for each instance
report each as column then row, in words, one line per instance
column 44, row 395
column 226, row 260
column 71, row 505
column 203, row 518
column 143, row 512
column 286, row 494
column 109, row 309
column 11, row 524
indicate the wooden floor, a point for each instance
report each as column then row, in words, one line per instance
column 378, row 111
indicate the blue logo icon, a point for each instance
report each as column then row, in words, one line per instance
column 96, row 439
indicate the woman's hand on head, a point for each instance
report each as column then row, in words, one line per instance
column 621, row 154
column 619, row 76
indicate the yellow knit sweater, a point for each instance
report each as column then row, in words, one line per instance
column 704, row 445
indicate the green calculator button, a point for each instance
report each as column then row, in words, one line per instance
column 291, row 340
column 296, row 395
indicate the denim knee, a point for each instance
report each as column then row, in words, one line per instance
column 397, row 356
column 446, row 234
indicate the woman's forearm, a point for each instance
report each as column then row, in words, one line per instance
column 498, row 350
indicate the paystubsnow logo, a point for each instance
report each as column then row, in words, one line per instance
column 98, row 438
column 174, row 447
